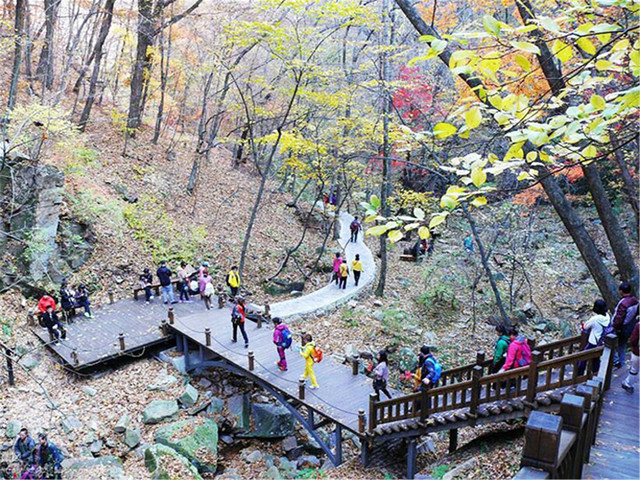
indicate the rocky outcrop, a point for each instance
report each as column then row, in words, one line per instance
column 195, row 439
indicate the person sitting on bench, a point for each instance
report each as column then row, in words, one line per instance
column 146, row 279
column 67, row 300
column 82, row 300
column 50, row 320
column 46, row 301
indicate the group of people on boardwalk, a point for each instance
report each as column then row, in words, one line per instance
column 70, row 299
column 36, row 460
column 341, row 270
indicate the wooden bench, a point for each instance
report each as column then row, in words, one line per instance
column 154, row 287
column 408, row 257
column 36, row 315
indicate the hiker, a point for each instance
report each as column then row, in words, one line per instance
column 356, row 266
column 307, row 352
column 49, row 457
column 381, row 375
column 417, row 374
column 343, row 274
column 67, row 300
column 201, row 283
column 336, row 267
column 282, row 339
column 82, row 299
column 146, row 279
column 51, row 321
column 208, row 290
column 468, row 244
column 355, row 228
column 238, row 317
column 183, row 282
column 164, row 276
column 431, row 369
column 597, row 327
column 518, row 353
column 233, row 280
column 500, row 351
column 24, row 448
column 633, row 368
column 45, row 301
column 623, row 323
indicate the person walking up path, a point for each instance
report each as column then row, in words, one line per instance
column 629, row 382
column 307, row 352
column 344, row 274
column 500, row 351
column 282, row 339
column 164, row 275
column 597, row 328
column 623, row 323
column 238, row 318
column 355, row 228
column 233, row 280
column 381, row 375
column 356, row 267
column 336, row 268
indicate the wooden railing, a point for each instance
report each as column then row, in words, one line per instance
column 526, row 382
column 557, row 446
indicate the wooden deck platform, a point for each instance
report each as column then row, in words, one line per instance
column 616, row 453
column 95, row 340
column 340, row 396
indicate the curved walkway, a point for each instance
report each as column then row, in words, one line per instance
column 329, row 296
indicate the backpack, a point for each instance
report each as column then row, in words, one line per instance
column 355, row 225
column 607, row 331
column 317, row 355
column 208, row 290
column 437, row 367
column 523, row 355
column 630, row 315
column 285, row 338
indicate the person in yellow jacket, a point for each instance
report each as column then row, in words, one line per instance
column 356, row 267
column 307, row 353
column 233, row 280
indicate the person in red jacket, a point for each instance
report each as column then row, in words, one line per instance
column 623, row 321
column 46, row 301
column 633, row 369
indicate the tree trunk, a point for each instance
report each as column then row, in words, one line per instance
column 44, row 71
column 563, row 208
column 629, row 183
column 485, row 263
column 17, row 52
column 97, row 54
column 386, row 151
column 164, row 75
column 142, row 64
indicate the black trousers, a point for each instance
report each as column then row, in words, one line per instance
column 242, row 330
column 356, row 276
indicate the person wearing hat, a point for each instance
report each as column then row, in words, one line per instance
column 82, row 300
column 164, row 276
column 146, row 279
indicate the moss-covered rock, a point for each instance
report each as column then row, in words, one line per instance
column 196, row 439
column 165, row 463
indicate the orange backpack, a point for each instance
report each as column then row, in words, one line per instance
column 317, row 355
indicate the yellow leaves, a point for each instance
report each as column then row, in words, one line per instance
column 473, row 118
column 438, row 219
column 478, row 177
column 444, row 130
column 479, row 202
column 523, row 62
column 515, row 151
column 424, row 233
column 586, row 45
column 526, row 47
column 395, row 236
column 491, row 25
column 598, row 102
column 447, row 201
column 634, row 62
column 561, row 50
column 590, row 152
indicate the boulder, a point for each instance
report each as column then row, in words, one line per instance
column 204, row 382
column 159, row 410
column 350, row 351
column 253, row 457
column 96, row 447
column 132, row 437
column 165, row 463
column 541, row 327
column 87, row 390
column 216, row 405
column 288, row 468
column 13, row 428
column 529, row 310
column 29, row 362
column 289, row 443
column 460, row 471
column 162, row 382
column 122, row 424
column 107, row 467
column 189, row 397
column 71, row 423
column 406, row 359
column 271, row 421
column 271, row 472
column 196, row 439
column 240, row 408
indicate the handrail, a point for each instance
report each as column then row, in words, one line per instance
column 539, row 376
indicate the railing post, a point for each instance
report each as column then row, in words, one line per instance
column 251, row 360
column 532, row 376
column 588, row 393
column 267, row 311
column 372, row 411
column 110, row 293
column 571, row 410
column 301, row 388
column 453, row 440
column 259, row 321
column 164, row 328
column 424, row 402
column 541, row 441
column 361, row 420
column 9, row 355
column 475, row 391
column 596, row 383
column 207, row 336
column 355, row 365
column 480, row 359
column 606, row 364
column 74, row 357
column 171, row 316
column 121, row 339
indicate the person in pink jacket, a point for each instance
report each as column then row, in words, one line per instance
column 336, row 268
column 282, row 339
column 518, row 353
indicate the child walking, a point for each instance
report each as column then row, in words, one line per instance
column 344, row 274
column 356, row 267
column 307, row 351
column 282, row 339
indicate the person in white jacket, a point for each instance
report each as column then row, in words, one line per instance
column 595, row 326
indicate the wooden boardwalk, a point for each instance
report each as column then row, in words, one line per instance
column 616, row 454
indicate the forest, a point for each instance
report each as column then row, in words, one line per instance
column 388, row 179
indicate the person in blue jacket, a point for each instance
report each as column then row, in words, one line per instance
column 25, row 447
column 49, row 457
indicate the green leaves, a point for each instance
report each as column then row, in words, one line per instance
column 491, row 25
